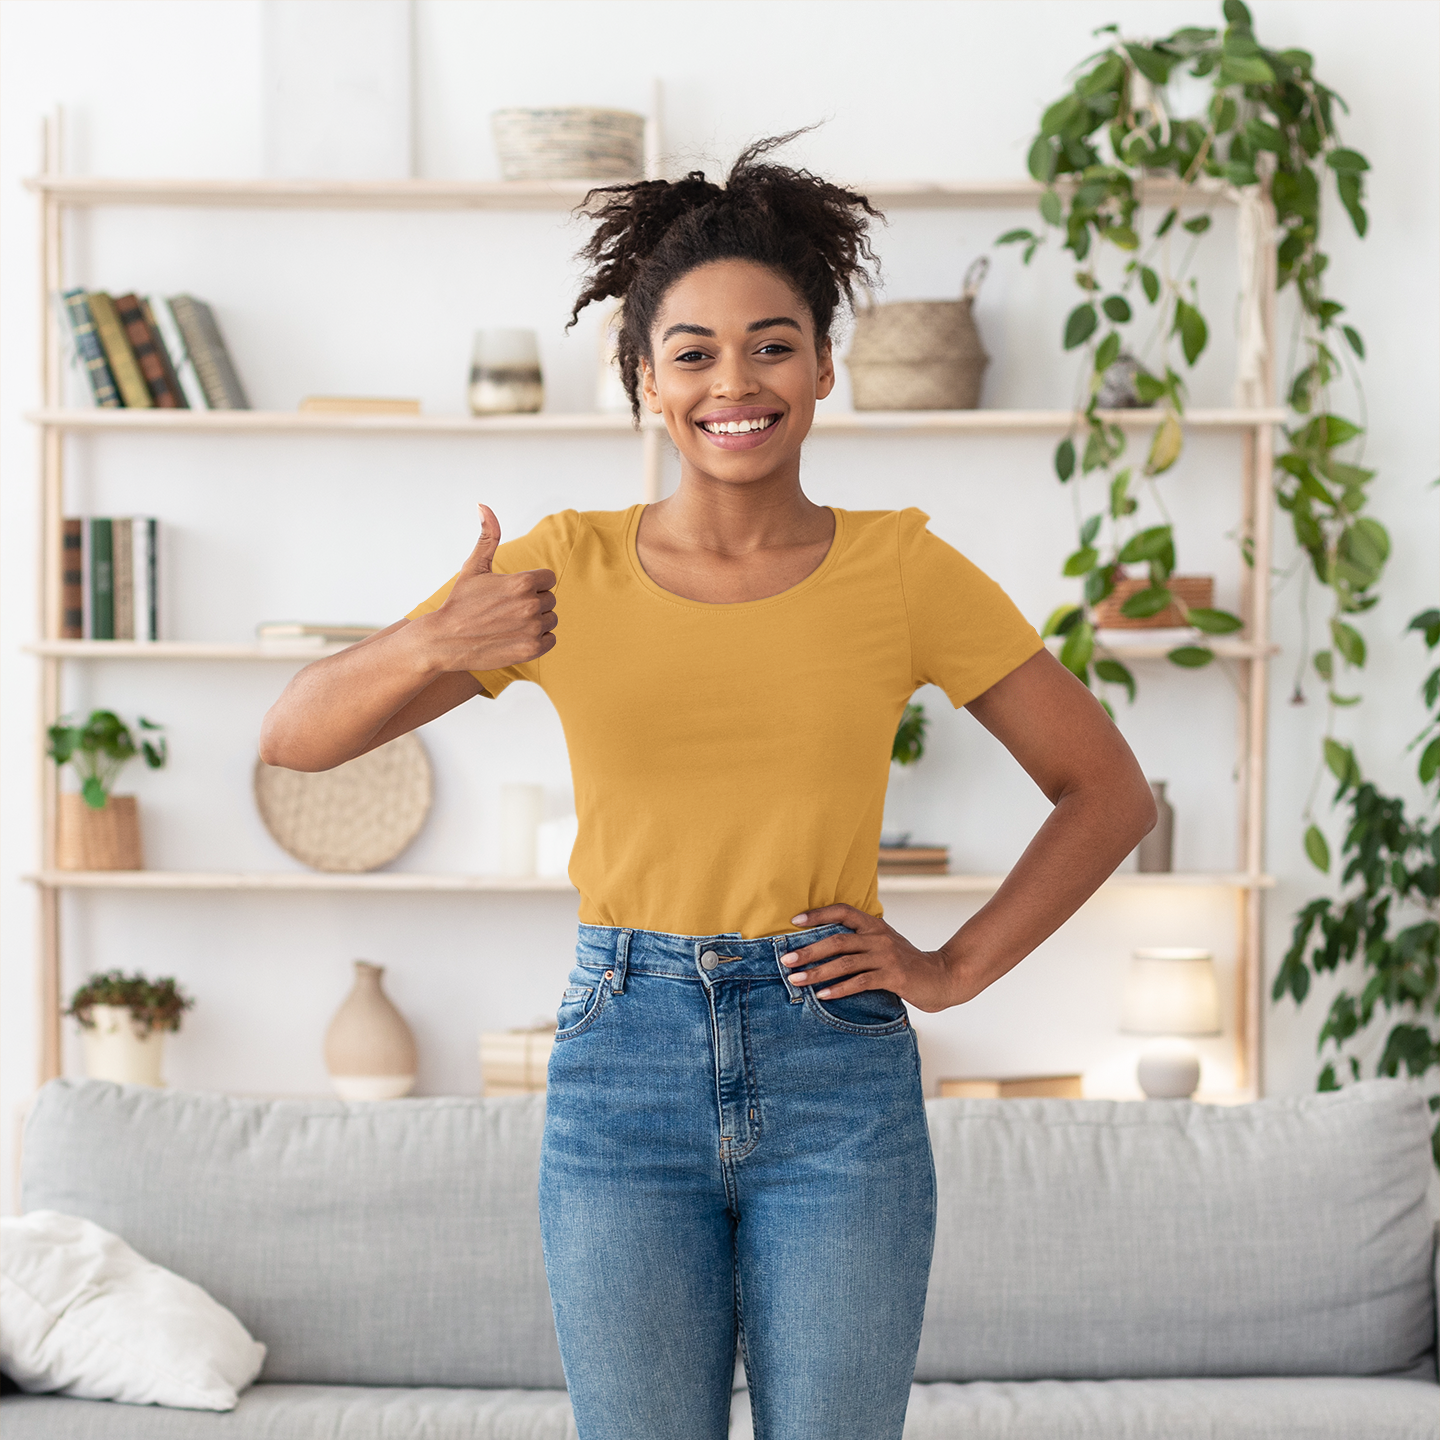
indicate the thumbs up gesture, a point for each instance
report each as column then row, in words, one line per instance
column 489, row 621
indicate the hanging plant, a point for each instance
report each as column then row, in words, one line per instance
column 1269, row 128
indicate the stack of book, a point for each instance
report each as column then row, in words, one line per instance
column 152, row 353
column 110, row 578
column 914, row 859
column 514, row 1062
column 310, row 637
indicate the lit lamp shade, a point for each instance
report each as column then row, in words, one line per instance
column 1170, row 992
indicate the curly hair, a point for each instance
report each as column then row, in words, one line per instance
column 649, row 234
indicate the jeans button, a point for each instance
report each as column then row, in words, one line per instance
column 709, row 960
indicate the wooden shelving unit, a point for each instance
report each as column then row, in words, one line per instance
column 1248, row 653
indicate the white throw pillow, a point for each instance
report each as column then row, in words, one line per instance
column 82, row 1313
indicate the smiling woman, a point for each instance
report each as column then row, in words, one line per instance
column 735, row 1142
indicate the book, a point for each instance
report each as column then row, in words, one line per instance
column 914, row 859
column 1020, row 1087
column 134, row 392
column 146, row 569
column 122, row 568
column 162, row 351
column 143, row 341
column 72, row 579
column 287, row 632
column 358, row 405
column 89, row 350
column 157, row 310
column 102, row 580
column 213, row 364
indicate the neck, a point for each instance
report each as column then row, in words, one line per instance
column 733, row 519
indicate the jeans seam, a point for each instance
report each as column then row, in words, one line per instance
column 752, row 1090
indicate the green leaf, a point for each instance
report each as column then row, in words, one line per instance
column 1041, row 160
column 1081, row 561
column 1214, row 622
column 1123, row 236
column 1343, row 700
column 1199, row 225
column 1114, row 673
column 1318, row 849
column 1351, row 161
column 93, row 793
column 1352, row 335
column 1245, row 70
column 1154, row 65
column 1237, row 13
column 1430, row 761
column 1090, row 529
column 1165, row 448
column 1341, row 761
column 1170, row 217
column 1014, row 237
column 1427, row 622
column 1191, row 657
column 1079, row 646
column 1366, row 545
column 1192, row 330
column 1116, row 308
column 1065, row 459
column 1324, row 664
column 1150, row 283
column 1145, row 603
column 1149, row 388
column 1348, row 641
column 1264, row 137
column 1060, row 114
column 1080, row 325
column 1063, row 619
column 1107, row 353
column 1052, row 211
column 1121, row 501
column 1146, row 544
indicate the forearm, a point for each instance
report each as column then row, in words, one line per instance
column 1092, row 828
column 342, row 706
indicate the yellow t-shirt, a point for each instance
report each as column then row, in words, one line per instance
column 730, row 761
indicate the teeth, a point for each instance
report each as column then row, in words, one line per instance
column 738, row 427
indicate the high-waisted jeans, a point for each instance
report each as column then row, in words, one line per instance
column 728, row 1157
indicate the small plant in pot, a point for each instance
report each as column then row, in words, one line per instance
column 98, row 830
column 905, row 752
column 123, row 1020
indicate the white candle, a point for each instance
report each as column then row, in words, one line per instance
column 520, row 810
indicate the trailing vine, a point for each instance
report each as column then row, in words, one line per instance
column 1269, row 129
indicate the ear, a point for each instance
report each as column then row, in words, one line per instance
column 825, row 373
column 648, row 393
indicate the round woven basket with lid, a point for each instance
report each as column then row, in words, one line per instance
column 919, row 354
column 569, row 143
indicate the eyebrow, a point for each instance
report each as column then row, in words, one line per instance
column 749, row 329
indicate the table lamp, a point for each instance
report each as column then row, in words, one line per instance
column 1170, row 992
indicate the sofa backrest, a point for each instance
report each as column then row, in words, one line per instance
column 395, row 1243
column 1098, row 1239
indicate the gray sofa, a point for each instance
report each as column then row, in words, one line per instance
column 1101, row 1270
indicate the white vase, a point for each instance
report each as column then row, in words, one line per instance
column 369, row 1050
column 115, row 1049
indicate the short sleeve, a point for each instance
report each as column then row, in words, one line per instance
column 547, row 547
column 965, row 631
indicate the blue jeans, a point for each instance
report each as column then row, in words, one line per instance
column 728, row 1157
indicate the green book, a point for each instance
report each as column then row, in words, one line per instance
column 102, row 579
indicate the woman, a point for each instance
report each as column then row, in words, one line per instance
column 735, row 1145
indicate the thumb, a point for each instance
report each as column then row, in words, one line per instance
column 480, row 557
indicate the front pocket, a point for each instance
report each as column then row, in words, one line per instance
column 871, row 1012
column 579, row 1007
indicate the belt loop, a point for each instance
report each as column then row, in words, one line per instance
column 783, row 947
column 622, row 962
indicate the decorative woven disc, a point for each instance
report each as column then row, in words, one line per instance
column 358, row 816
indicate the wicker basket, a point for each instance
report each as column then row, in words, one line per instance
column 1196, row 592
column 90, row 839
column 574, row 143
column 919, row 354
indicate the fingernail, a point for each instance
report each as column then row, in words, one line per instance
column 798, row 979
column 823, row 994
column 797, row 919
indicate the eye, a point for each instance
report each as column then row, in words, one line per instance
column 775, row 347
column 688, row 357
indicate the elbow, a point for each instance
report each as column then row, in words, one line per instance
column 278, row 748
column 1146, row 812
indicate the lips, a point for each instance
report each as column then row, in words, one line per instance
column 739, row 428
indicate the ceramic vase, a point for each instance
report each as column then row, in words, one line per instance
column 116, row 1049
column 369, row 1050
column 1154, row 854
column 505, row 374
column 105, row 839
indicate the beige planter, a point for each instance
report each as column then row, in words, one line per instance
column 369, row 1050
column 1196, row 592
column 107, row 839
column 116, row 1049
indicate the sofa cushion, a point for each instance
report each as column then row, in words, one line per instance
column 395, row 1243
column 1095, row 1239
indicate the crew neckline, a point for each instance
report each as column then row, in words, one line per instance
column 632, row 550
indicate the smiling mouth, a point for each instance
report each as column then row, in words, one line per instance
column 738, row 427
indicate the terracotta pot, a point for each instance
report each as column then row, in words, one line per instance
column 116, row 1049
column 369, row 1050
column 1196, row 591
column 88, row 839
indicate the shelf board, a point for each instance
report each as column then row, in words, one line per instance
column 176, row 650
column 827, row 422
column 91, row 190
column 402, row 882
column 1158, row 643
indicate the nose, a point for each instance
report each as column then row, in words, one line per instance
column 734, row 379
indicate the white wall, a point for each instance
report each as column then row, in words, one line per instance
column 342, row 529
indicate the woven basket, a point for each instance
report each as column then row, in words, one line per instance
column 358, row 816
column 574, row 143
column 919, row 354
column 90, row 839
column 1197, row 592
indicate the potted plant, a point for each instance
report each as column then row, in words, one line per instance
column 123, row 1020
column 908, row 747
column 98, row 830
